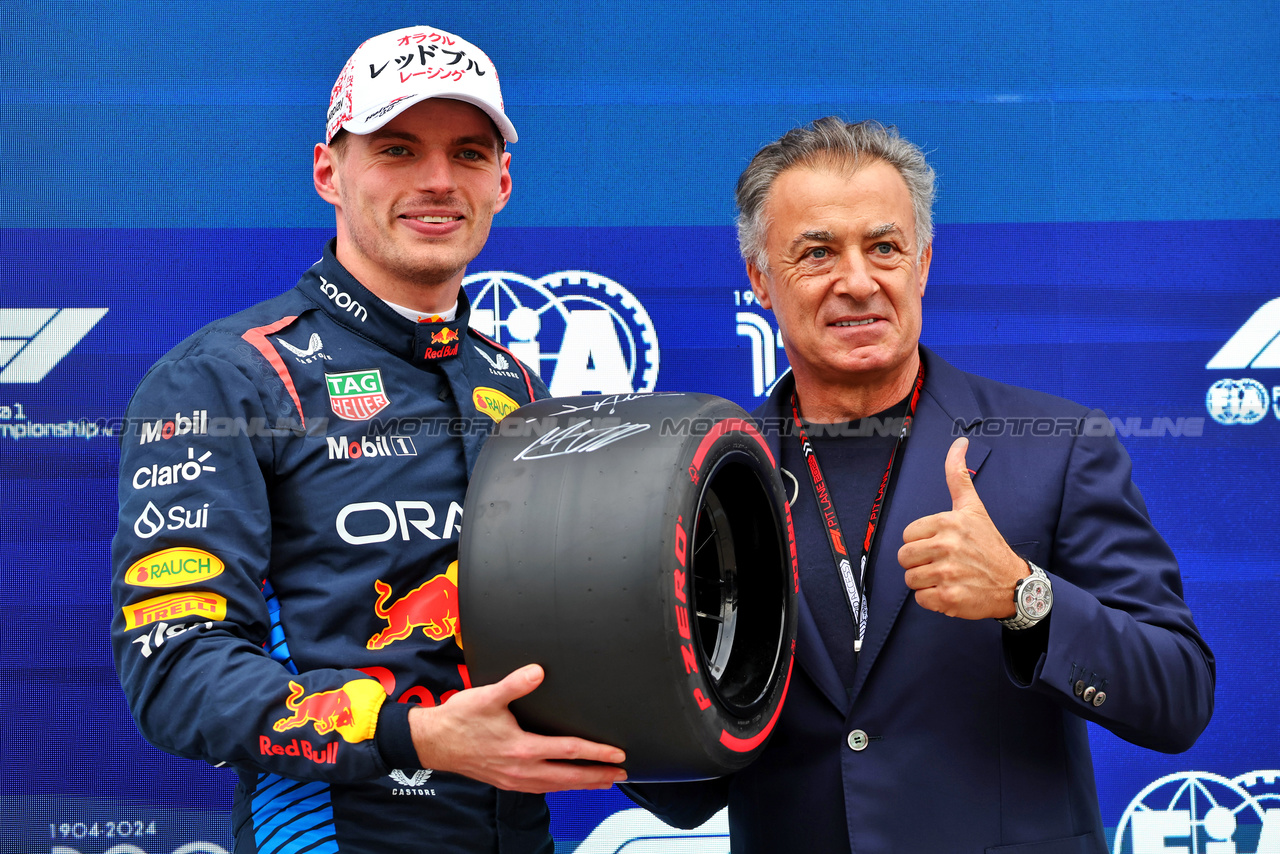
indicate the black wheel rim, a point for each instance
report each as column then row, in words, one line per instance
column 738, row 585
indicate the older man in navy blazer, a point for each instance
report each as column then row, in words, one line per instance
column 979, row 575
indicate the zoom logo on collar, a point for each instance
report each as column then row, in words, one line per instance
column 435, row 341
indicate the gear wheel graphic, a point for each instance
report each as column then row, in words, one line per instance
column 1214, row 806
column 515, row 310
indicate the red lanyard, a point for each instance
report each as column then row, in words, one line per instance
column 854, row 585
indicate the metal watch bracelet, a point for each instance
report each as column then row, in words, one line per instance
column 1020, row 619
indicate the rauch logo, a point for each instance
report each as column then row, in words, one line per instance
column 174, row 568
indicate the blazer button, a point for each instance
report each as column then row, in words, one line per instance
column 1099, row 698
column 858, row 740
column 1078, row 687
column 1087, row 696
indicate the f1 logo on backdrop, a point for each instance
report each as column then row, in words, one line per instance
column 33, row 340
column 583, row 333
column 1255, row 346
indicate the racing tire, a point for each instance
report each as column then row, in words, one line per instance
column 640, row 549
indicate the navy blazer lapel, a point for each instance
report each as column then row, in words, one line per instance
column 947, row 408
column 811, row 650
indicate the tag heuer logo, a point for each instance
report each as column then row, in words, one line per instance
column 356, row 395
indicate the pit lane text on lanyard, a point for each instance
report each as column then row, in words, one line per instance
column 854, row 585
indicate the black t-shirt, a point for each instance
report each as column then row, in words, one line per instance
column 853, row 456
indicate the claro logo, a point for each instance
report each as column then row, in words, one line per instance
column 33, row 340
column 157, row 475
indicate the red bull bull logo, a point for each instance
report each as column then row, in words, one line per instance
column 444, row 336
column 432, row 606
column 351, row 711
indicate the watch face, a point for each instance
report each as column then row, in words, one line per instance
column 1035, row 598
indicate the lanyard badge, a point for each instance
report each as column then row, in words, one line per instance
column 854, row 583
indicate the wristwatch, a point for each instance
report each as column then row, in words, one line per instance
column 1033, row 597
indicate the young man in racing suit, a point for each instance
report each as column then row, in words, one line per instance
column 291, row 495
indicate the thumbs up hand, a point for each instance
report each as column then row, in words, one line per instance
column 957, row 562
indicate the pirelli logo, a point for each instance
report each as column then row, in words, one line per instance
column 175, row 606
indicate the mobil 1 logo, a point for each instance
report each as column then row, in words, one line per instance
column 369, row 447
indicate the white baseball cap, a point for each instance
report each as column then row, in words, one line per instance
column 390, row 73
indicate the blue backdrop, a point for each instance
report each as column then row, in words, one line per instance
column 1108, row 220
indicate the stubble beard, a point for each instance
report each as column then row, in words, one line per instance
column 437, row 266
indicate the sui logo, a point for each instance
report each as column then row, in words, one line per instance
column 585, row 332
column 1195, row 812
column 1254, row 346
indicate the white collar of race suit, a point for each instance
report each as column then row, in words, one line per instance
column 449, row 314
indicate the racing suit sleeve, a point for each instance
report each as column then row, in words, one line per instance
column 192, row 624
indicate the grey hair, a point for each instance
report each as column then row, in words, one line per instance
column 830, row 141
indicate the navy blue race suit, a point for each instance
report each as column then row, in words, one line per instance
column 285, row 576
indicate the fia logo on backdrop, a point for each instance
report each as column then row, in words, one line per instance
column 1255, row 347
column 581, row 332
column 1195, row 812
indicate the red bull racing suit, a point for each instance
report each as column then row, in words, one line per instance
column 285, row 584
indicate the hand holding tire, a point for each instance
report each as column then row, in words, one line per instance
column 474, row 733
column 639, row 548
